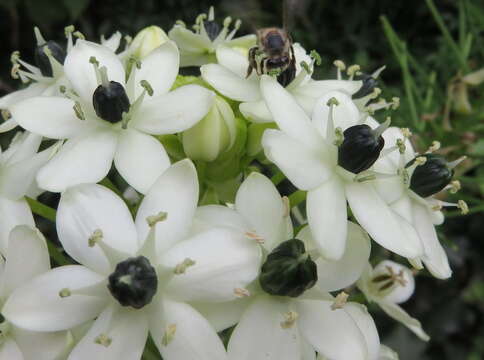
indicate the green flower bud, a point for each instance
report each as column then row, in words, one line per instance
column 288, row 270
column 146, row 41
column 212, row 135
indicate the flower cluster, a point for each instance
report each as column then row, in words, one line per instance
column 184, row 237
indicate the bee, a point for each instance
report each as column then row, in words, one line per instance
column 273, row 54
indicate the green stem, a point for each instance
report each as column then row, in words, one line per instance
column 445, row 32
column 277, row 178
column 110, row 185
column 50, row 214
column 41, row 209
column 297, row 197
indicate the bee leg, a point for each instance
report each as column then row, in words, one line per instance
column 252, row 61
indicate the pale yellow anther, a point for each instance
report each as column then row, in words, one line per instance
column 253, row 236
column 290, row 319
column 152, row 220
column 169, row 335
column 455, row 186
column 5, row 114
column 15, row 57
column 103, row 340
column 437, row 207
column 128, row 39
column 79, row 35
column 227, row 21
column 338, row 136
column 96, row 236
column 287, row 206
column 14, row 71
column 364, row 178
column 462, row 205
column 376, row 92
column 241, row 292
column 69, row 30
column 434, row 147
column 332, row 101
column 406, row 132
column 340, row 301
column 401, row 146
column 420, row 160
column 63, row 293
column 339, row 64
column 353, row 69
column 180, row 23
column 395, row 103
column 182, row 267
column 78, row 111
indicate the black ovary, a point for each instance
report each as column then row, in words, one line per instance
column 432, row 176
column 360, row 149
column 369, row 84
column 110, row 102
column 42, row 60
column 142, row 284
column 212, row 28
column 285, row 273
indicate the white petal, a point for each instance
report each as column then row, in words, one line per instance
column 112, row 42
column 89, row 207
column 9, row 350
column 176, row 193
column 8, row 125
column 224, row 261
column 30, row 91
column 171, row 113
column 14, row 212
column 259, row 202
column 326, row 211
column 333, row 333
column 318, row 88
column 24, row 240
column 435, row 258
column 127, row 329
column 259, row 333
column 209, row 216
column 399, row 293
column 80, row 71
column 233, row 60
column 37, row 305
column 140, row 159
column 49, row 116
column 40, row 345
column 363, row 319
column 85, row 159
column 23, row 146
column 387, row 354
column 222, row 315
column 256, row 111
column 159, row 68
column 304, row 167
column 380, row 222
column 345, row 114
column 230, row 84
column 288, row 115
column 188, row 40
column 336, row 275
column 396, row 312
column 193, row 338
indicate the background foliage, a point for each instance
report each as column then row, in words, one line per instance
column 426, row 47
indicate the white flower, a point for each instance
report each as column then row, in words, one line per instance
column 305, row 151
column 229, row 77
column 95, row 227
column 283, row 327
column 198, row 47
column 17, row 343
column 422, row 212
column 388, row 285
column 119, row 126
column 18, row 167
column 387, row 354
column 48, row 76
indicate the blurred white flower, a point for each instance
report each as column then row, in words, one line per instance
column 198, row 47
column 409, row 194
column 137, row 277
column 17, row 343
column 388, row 285
column 297, row 325
column 109, row 114
column 229, row 77
column 330, row 155
column 19, row 165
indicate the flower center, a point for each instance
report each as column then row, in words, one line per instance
column 288, row 270
column 110, row 101
column 134, row 282
column 360, row 148
column 430, row 177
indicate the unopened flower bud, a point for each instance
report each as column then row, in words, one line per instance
column 147, row 40
column 288, row 270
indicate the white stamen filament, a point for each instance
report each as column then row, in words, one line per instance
column 454, row 163
column 352, row 70
column 330, row 131
column 38, row 37
column 382, row 127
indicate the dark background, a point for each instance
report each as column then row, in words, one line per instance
column 451, row 311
